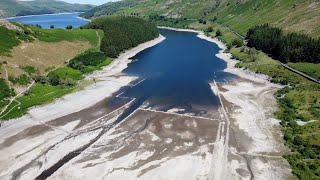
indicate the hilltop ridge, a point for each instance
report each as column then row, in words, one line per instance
column 10, row 8
column 239, row 15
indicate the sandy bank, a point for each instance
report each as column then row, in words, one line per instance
column 255, row 134
column 109, row 80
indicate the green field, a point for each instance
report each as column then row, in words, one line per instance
column 310, row 69
column 38, row 95
column 67, row 73
column 11, row 38
column 56, row 84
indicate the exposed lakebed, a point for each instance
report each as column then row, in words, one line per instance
column 167, row 124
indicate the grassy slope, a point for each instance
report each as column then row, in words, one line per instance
column 299, row 16
column 10, row 8
column 11, row 38
column 307, row 68
column 43, row 93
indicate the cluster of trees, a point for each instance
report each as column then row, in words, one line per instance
column 170, row 22
column 87, row 59
column 292, row 47
column 201, row 21
column 69, row 27
column 123, row 32
column 53, row 80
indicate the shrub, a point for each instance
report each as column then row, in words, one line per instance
column 237, row 42
column 218, row 33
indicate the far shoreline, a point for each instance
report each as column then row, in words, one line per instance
column 53, row 14
column 225, row 56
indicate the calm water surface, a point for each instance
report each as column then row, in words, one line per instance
column 177, row 72
column 58, row 20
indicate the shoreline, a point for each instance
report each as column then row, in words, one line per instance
column 253, row 105
column 54, row 14
column 246, row 74
column 107, row 84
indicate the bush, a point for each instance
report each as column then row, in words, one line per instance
column 218, row 33
column 69, row 27
column 87, row 59
column 209, row 29
column 237, row 42
column 52, row 27
column 5, row 91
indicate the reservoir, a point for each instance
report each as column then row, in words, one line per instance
column 172, row 74
column 58, row 20
column 176, row 73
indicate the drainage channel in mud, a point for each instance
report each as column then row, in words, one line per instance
column 47, row 173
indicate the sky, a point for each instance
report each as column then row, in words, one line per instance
column 94, row 2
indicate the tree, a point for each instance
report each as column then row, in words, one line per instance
column 218, row 33
column 69, row 27
column 37, row 25
column 237, row 42
column 209, row 29
column 52, row 27
column 54, row 80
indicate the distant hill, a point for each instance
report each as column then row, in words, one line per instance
column 9, row 8
column 240, row 15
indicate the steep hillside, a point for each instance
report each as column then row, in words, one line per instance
column 28, row 52
column 299, row 16
column 10, row 8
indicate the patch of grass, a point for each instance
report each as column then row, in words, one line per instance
column 29, row 69
column 5, row 90
column 56, row 35
column 310, row 69
column 38, row 95
column 11, row 38
column 67, row 73
column 7, row 40
column 21, row 80
column 89, row 69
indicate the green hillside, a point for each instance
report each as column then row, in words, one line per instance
column 9, row 8
column 240, row 15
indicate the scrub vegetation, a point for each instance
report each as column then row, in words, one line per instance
column 299, row 101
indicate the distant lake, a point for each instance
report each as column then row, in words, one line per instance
column 58, row 20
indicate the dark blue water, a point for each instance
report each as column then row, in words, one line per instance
column 177, row 72
column 58, row 20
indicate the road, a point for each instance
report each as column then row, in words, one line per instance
column 300, row 73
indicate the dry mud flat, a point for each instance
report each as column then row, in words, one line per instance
column 239, row 140
column 80, row 137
